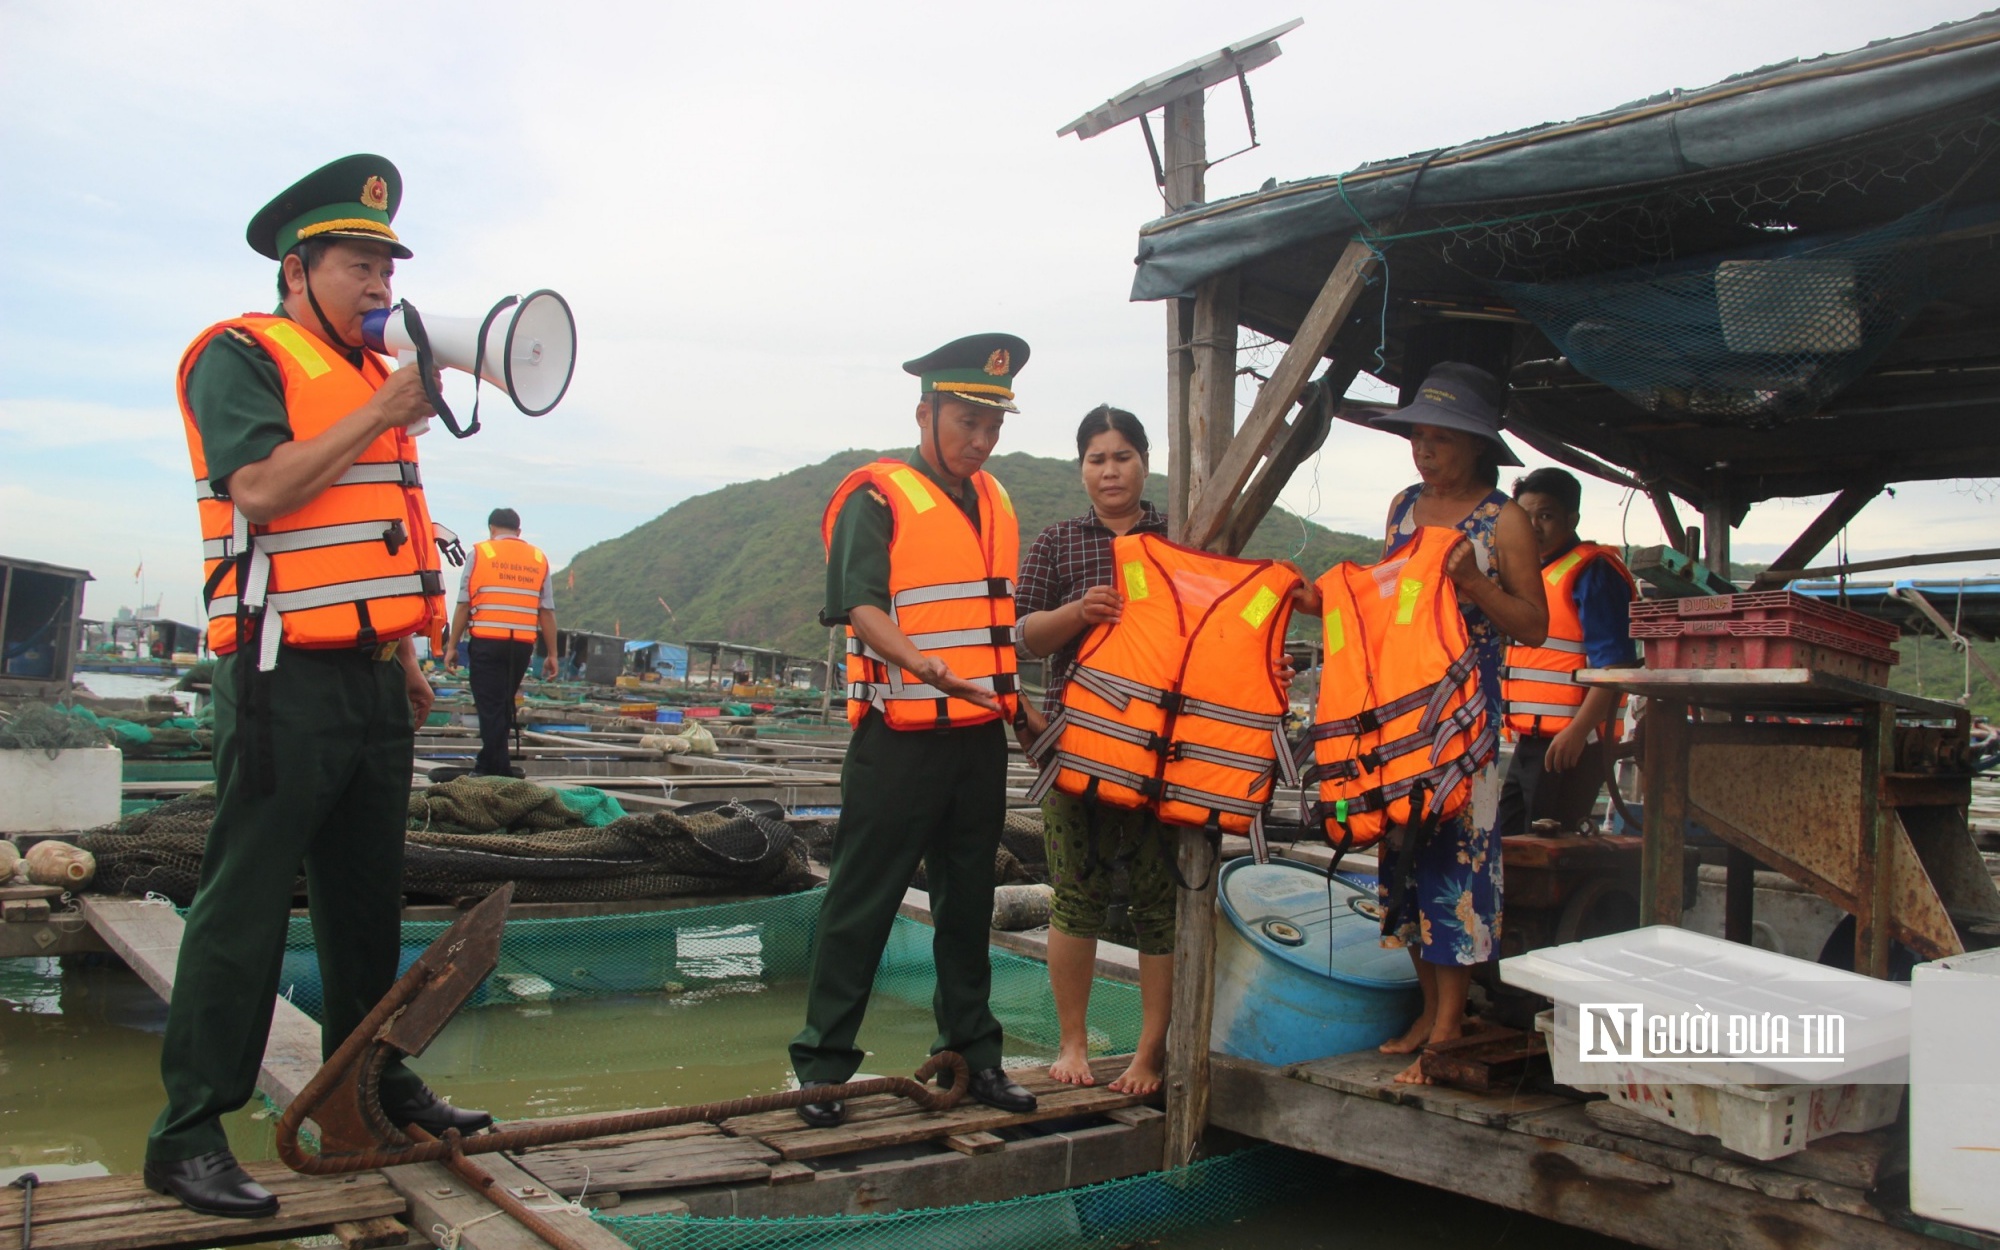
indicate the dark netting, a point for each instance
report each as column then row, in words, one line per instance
column 1135, row 1211
column 1756, row 336
column 657, row 855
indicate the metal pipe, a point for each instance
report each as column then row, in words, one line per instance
column 494, row 1192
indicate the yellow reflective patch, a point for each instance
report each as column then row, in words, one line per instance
column 913, row 486
column 1135, row 580
column 1406, row 600
column 1000, row 493
column 287, row 336
column 1336, row 633
column 1261, row 605
column 1561, row 567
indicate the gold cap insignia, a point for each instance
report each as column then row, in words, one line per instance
column 375, row 194
column 997, row 363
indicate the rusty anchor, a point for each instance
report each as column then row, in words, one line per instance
column 344, row 1097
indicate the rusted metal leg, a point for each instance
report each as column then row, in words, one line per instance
column 1739, row 897
column 1874, row 877
column 1660, row 863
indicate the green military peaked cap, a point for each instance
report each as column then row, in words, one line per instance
column 978, row 369
column 355, row 197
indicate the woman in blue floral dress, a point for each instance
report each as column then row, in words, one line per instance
column 1450, row 919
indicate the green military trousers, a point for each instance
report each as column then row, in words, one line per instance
column 341, row 746
column 936, row 796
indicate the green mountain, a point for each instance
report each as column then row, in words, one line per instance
column 744, row 563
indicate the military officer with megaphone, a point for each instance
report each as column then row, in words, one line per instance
column 321, row 567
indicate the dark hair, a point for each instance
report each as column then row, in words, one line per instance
column 504, row 518
column 1486, row 469
column 1556, row 484
column 1104, row 419
column 309, row 253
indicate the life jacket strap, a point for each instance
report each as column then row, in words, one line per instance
column 897, row 689
column 1553, row 676
column 1260, row 768
column 1231, row 715
column 1115, row 690
column 397, row 472
column 1147, row 786
column 1114, row 729
column 1565, row 711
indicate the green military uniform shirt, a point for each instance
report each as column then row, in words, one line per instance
column 857, row 559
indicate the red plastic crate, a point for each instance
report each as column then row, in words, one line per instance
column 1762, row 651
column 1802, row 631
column 1771, row 605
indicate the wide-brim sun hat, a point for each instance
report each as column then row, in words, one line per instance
column 1455, row 396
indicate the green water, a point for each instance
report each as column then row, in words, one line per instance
column 79, row 1086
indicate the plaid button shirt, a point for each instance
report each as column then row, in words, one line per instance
column 1067, row 559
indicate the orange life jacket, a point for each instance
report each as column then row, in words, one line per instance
column 951, row 592
column 506, row 590
column 1401, row 726
column 357, row 564
column 1537, row 685
column 1176, row 706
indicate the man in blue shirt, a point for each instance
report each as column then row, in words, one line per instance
column 1558, row 726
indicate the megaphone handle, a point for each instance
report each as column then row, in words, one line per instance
column 414, row 428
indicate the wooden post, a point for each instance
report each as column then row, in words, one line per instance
column 1874, row 877
column 1194, row 1002
column 1843, row 508
column 826, row 690
column 1186, row 167
column 1660, row 864
column 1739, row 888
column 1211, row 410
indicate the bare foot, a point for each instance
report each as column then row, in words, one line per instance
column 1412, row 1041
column 1072, row 1067
column 1413, row 1075
column 1142, row 1076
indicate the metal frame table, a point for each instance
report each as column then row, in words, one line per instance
column 1784, row 788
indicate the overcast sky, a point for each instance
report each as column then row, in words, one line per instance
column 756, row 212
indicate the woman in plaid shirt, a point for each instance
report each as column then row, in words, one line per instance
column 1108, row 864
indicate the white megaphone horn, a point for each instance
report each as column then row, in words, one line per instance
column 526, row 346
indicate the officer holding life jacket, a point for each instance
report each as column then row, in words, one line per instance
column 1560, row 728
column 921, row 559
column 321, row 567
column 505, row 601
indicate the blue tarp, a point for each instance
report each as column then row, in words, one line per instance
column 668, row 657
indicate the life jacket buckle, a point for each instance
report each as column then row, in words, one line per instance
column 432, row 581
column 395, row 536
column 1368, row 721
column 1170, row 702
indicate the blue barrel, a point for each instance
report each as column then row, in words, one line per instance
column 1299, row 974
column 668, row 716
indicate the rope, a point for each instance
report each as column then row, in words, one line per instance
column 1367, row 235
column 447, row 1237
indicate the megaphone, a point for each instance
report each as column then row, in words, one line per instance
column 525, row 345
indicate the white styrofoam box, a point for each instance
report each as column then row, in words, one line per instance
column 63, row 793
column 1762, row 1121
column 1673, row 970
column 1955, row 1122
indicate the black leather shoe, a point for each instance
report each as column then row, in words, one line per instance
column 995, row 1088
column 213, row 1184
column 434, row 1115
column 829, row 1114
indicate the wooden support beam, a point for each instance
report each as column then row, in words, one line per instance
column 1186, row 167
column 1842, row 509
column 1302, row 436
column 1209, row 502
column 1894, row 562
column 1660, row 863
column 1670, row 519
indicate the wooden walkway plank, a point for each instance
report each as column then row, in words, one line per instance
column 709, row 1158
column 120, row 1213
column 148, row 937
column 1370, row 1074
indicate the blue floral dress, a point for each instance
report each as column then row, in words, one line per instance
column 1452, row 912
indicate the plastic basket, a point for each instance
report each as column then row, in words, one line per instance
column 1771, row 605
column 1726, row 651
column 1762, row 1121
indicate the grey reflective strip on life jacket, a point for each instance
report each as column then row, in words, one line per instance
column 984, row 588
column 1562, row 644
column 1231, row 715
column 346, row 592
column 1091, row 768
column 1113, row 689
column 1565, row 711
column 1113, row 729
column 1171, row 793
column 310, row 539
column 1004, row 683
column 1553, row 676
column 1262, row 768
column 222, row 605
column 989, row 636
column 400, row 472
